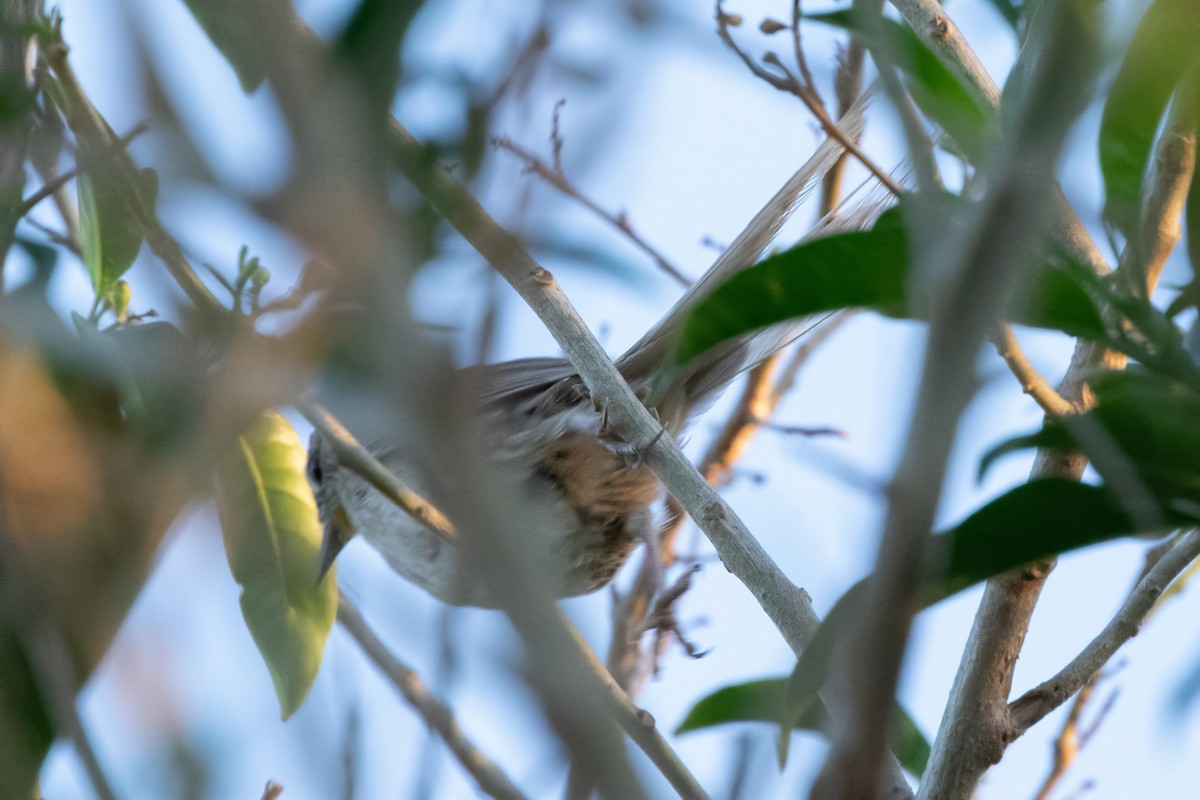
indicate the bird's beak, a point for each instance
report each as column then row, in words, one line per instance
column 338, row 531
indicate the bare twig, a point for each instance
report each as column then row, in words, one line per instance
column 798, row 51
column 61, row 239
column 788, row 83
column 58, row 181
column 1068, row 744
column 640, row 726
column 356, row 458
column 1040, row 701
column 438, row 717
column 1033, row 383
column 555, row 176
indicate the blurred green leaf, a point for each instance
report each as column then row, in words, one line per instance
column 272, row 538
column 162, row 389
column 109, row 234
column 1162, row 51
column 1142, row 421
column 760, row 701
column 222, row 21
column 370, row 43
column 866, row 269
column 1037, row 520
column 1011, row 11
column 934, row 88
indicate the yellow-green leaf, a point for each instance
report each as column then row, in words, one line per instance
column 272, row 539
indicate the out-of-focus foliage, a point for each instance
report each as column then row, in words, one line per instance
column 1162, row 54
column 761, row 700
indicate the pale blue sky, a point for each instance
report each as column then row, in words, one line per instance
column 697, row 147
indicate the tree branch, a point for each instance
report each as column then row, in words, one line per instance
column 1035, row 704
column 789, row 84
column 984, row 265
column 558, row 179
column 356, row 458
column 978, row 712
column 928, row 18
column 1033, row 383
column 55, row 183
column 437, row 716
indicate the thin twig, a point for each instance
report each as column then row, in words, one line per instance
column 437, row 716
column 789, row 84
column 554, row 176
column 1040, row 701
column 802, row 62
column 58, row 181
column 1067, row 745
column 640, row 725
column 356, row 458
column 1033, row 383
column 59, row 238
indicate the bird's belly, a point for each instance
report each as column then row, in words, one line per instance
column 580, row 512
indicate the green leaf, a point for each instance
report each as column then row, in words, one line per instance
column 861, row 268
column 1162, row 51
column 109, row 234
column 1143, row 422
column 272, row 539
column 1011, row 11
column 224, row 23
column 760, row 701
column 1035, row 521
column 934, row 88
column 369, row 46
column 866, row 269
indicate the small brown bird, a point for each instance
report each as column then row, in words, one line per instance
column 589, row 501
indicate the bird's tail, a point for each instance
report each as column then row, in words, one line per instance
column 689, row 390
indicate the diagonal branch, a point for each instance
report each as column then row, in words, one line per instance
column 1035, row 704
column 788, row 83
column 555, row 176
column 58, row 181
column 491, row 778
column 359, row 460
column 1033, row 383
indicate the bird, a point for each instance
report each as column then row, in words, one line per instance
column 588, row 498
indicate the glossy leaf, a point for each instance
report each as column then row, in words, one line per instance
column 934, row 88
column 272, row 539
column 865, row 269
column 1162, row 51
column 1035, row 521
column 760, row 701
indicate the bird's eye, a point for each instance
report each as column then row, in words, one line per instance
column 314, row 467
